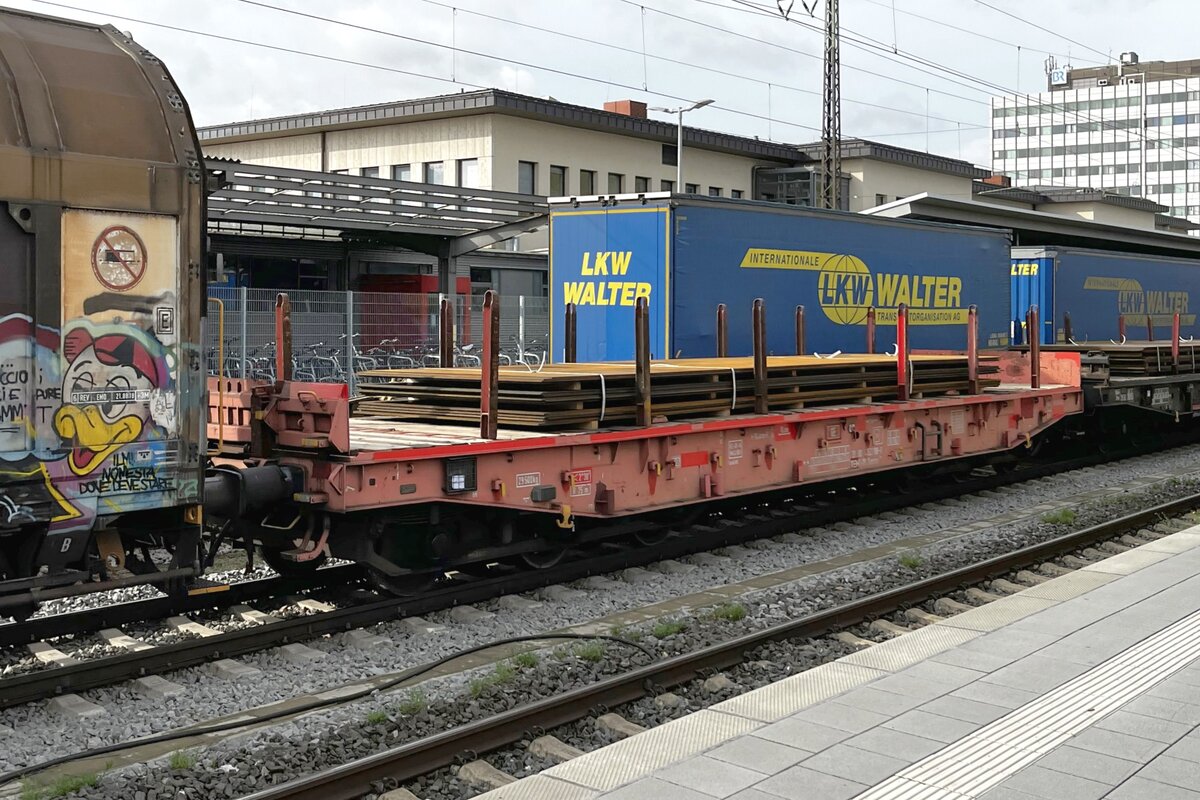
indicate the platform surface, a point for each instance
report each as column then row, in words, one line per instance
column 1084, row 687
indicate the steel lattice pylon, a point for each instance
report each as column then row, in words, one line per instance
column 831, row 111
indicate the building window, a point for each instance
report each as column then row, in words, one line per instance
column 616, row 183
column 666, row 186
column 468, row 173
column 691, row 188
column 670, row 155
column 402, row 172
column 736, row 194
column 435, row 173
column 880, row 199
column 641, row 184
column 558, row 181
column 526, row 177
column 369, row 172
column 714, row 191
column 587, row 181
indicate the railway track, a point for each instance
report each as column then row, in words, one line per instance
column 423, row 756
column 266, row 631
column 115, row 615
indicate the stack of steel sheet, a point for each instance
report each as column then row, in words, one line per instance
column 1137, row 359
column 589, row 395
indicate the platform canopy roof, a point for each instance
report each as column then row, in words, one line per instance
column 262, row 200
column 1040, row 228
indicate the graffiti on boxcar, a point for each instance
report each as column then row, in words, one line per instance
column 113, row 375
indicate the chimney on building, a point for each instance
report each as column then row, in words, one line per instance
column 1003, row 181
column 628, row 108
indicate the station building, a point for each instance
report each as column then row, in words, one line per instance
column 1131, row 128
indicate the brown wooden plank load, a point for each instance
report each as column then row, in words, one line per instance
column 590, row 395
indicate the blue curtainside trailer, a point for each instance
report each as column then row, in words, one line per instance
column 686, row 255
column 1098, row 288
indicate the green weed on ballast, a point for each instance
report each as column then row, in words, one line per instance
column 911, row 561
column 414, row 704
column 591, row 652
column 61, row 787
column 668, row 628
column 1064, row 516
column 526, row 660
column 629, row 635
column 729, row 612
column 501, row 674
column 181, row 760
column 376, row 717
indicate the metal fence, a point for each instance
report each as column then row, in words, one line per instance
column 337, row 334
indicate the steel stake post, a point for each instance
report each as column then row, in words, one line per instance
column 1175, row 342
column 641, row 327
column 569, row 329
column 1068, row 334
column 973, row 349
column 722, row 331
column 1035, row 349
column 283, row 337
column 445, row 333
column 902, row 366
column 761, row 404
column 800, row 339
column 489, row 396
column 871, row 330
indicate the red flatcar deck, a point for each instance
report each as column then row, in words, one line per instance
column 354, row 464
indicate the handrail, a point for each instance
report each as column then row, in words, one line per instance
column 220, row 375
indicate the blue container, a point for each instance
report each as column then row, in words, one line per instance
column 687, row 255
column 1097, row 288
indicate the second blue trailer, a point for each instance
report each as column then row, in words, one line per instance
column 1100, row 288
column 686, row 255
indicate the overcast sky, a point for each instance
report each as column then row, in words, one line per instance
column 763, row 71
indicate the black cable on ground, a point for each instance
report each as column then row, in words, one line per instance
column 403, row 677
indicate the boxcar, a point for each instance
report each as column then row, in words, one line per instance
column 1098, row 288
column 686, row 255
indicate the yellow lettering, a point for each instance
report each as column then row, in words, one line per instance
column 573, row 292
column 954, row 293
column 620, row 262
column 928, row 282
column 886, row 285
column 903, row 290
column 589, row 295
column 601, row 267
column 642, row 290
column 627, row 293
column 585, row 269
column 941, row 289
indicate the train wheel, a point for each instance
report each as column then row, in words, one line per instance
column 651, row 536
column 19, row 613
column 275, row 560
column 407, row 585
column 543, row 559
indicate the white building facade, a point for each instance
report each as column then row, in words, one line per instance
column 1132, row 128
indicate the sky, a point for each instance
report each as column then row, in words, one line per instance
column 915, row 73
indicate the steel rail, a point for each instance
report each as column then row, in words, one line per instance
column 351, row 781
column 89, row 620
column 753, row 524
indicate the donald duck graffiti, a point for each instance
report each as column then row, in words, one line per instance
column 112, row 390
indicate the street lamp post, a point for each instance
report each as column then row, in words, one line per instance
column 679, row 131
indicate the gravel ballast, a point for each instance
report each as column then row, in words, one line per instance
column 330, row 737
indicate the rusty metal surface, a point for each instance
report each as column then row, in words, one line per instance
column 88, row 109
column 99, row 168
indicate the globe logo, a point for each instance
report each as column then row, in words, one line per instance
column 845, row 289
